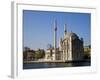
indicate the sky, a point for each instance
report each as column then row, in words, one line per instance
column 38, row 27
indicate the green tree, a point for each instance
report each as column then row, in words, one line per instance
column 40, row 53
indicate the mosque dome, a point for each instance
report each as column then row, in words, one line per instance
column 71, row 34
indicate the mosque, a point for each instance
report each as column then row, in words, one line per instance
column 70, row 47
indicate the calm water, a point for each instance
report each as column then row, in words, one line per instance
column 54, row 65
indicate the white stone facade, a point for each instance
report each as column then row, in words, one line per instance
column 70, row 47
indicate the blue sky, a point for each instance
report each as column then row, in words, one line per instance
column 38, row 27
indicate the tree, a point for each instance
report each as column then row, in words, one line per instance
column 26, row 49
column 28, row 54
column 24, row 55
column 40, row 53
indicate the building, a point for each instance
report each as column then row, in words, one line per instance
column 28, row 55
column 87, row 52
column 50, row 54
column 70, row 47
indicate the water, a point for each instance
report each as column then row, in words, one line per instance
column 54, row 65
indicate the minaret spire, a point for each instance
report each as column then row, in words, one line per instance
column 55, row 38
column 65, row 29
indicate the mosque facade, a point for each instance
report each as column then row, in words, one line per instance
column 70, row 47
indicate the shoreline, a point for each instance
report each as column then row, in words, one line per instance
column 57, row 61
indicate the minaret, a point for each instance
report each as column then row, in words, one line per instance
column 55, row 38
column 65, row 30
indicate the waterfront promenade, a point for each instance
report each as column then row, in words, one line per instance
column 55, row 61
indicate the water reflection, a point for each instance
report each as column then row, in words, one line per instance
column 54, row 65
